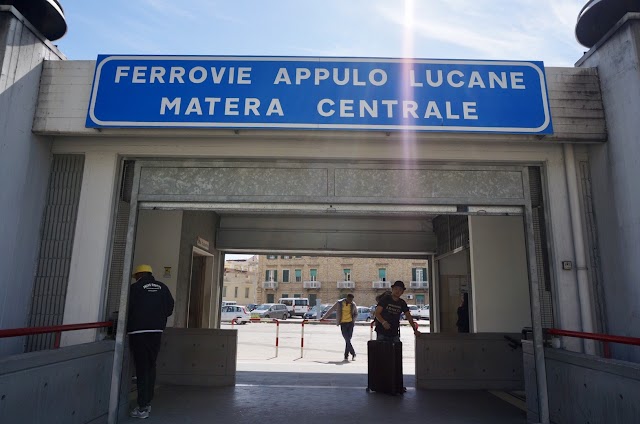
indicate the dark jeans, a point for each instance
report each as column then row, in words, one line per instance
column 145, row 348
column 384, row 338
column 347, row 333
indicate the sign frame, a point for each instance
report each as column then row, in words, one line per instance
column 545, row 128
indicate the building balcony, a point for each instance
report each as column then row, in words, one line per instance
column 270, row 285
column 311, row 284
column 346, row 285
column 381, row 284
column 419, row 285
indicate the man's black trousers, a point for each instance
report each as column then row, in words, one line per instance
column 145, row 348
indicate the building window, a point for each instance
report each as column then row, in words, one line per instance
column 296, row 296
column 285, row 275
column 298, row 275
column 270, row 297
column 272, row 256
column 235, row 292
column 271, row 275
column 313, row 273
column 224, row 291
column 246, row 292
column 419, row 274
column 382, row 274
column 347, row 274
column 285, row 257
column 285, row 295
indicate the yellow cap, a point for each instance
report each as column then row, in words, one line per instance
column 142, row 268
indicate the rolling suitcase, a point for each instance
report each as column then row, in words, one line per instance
column 385, row 367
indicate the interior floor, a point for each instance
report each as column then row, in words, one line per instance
column 284, row 397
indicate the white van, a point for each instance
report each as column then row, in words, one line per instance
column 296, row 305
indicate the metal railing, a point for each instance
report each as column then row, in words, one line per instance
column 419, row 285
column 381, row 284
column 57, row 329
column 270, row 285
column 311, row 284
column 345, row 284
column 605, row 338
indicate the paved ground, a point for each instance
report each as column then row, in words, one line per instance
column 320, row 387
column 323, row 348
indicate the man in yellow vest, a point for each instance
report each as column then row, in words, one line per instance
column 346, row 313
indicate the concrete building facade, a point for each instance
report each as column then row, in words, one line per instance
column 241, row 280
column 540, row 230
column 327, row 279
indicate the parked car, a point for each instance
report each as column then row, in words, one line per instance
column 270, row 310
column 364, row 314
column 251, row 306
column 297, row 306
column 413, row 310
column 231, row 312
column 424, row 312
column 331, row 316
column 313, row 312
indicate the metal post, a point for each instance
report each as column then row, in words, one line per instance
column 118, row 355
column 536, row 318
column 277, row 334
column 302, row 340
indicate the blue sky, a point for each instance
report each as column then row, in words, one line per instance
column 447, row 29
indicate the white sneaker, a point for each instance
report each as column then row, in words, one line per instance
column 140, row 412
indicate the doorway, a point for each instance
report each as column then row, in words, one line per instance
column 200, row 289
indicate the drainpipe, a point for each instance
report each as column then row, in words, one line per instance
column 578, row 246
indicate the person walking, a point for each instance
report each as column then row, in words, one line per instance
column 388, row 312
column 346, row 313
column 150, row 304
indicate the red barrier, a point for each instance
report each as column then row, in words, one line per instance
column 57, row 329
column 302, row 339
column 606, row 338
column 277, row 334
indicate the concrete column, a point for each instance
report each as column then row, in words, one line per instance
column 90, row 256
column 615, row 175
column 25, row 161
column 566, row 297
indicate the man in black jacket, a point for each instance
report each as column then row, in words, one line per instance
column 150, row 304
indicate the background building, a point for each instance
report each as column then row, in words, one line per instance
column 327, row 279
column 240, row 280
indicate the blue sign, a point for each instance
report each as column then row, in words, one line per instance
column 320, row 93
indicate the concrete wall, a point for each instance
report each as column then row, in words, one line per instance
column 615, row 175
column 584, row 389
column 194, row 224
column 25, row 160
column 198, row 357
column 499, row 274
column 158, row 245
column 68, row 385
column 468, row 361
